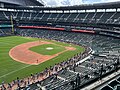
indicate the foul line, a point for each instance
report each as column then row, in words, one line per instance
column 14, row 71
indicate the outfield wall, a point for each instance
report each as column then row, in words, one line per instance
column 54, row 28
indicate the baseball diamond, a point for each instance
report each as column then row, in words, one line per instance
column 21, row 53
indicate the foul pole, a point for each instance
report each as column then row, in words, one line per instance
column 12, row 24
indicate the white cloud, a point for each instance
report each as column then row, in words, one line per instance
column 109, row 0
column 74, row 2
column 62, row 2
column 98, row 1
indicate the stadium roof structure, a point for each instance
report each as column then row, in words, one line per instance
column 21, row 3
column 110, row 5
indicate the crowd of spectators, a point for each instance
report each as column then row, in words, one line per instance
column 63, row 75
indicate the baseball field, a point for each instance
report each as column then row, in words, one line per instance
column 22, row 56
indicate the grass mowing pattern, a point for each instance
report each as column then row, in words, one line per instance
column 42, row 49
column 10, row 69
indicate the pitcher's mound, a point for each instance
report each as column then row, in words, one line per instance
column 49, row 48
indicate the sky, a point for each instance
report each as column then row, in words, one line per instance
column 73, row 2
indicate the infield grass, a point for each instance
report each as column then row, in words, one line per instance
column 43, row 49
column 10, row 69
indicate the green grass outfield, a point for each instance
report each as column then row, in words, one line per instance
column 10, row 69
